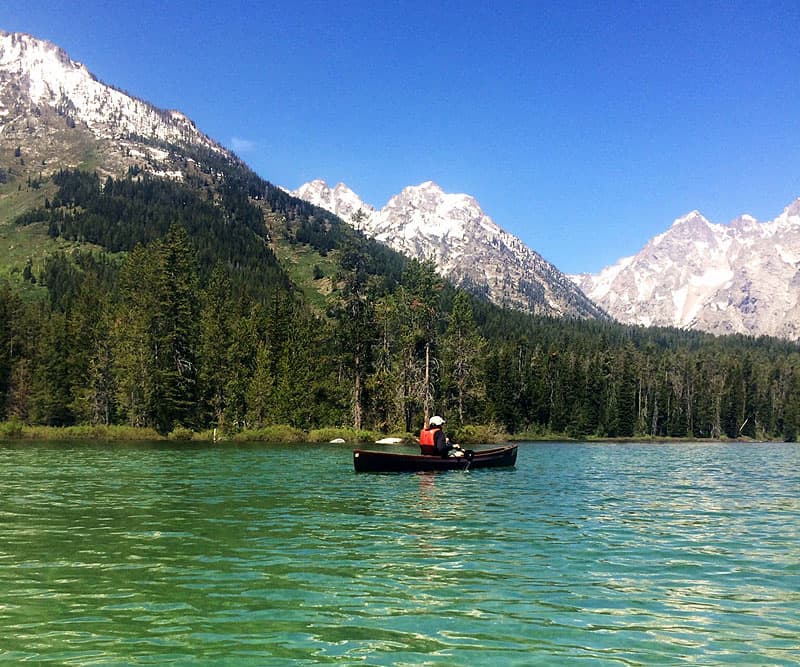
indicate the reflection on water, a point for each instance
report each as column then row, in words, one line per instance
column 613, row 554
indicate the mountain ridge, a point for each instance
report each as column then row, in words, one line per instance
column 743, row 277
column 465, row 244
column 46, row 98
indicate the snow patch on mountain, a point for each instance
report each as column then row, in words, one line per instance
column 45, row 75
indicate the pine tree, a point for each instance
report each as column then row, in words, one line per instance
column 176, row 334
column 101, row 389
column 419, row 301
column 91, row 357
column 247, row 331
column 385, row 383
column 791, row 420
column 626, row 396
column 51, row 381
column 216, row 340
column 132, row 336
column 10, row 307
column 462, row 355
column 260, row 401
column 356, row 337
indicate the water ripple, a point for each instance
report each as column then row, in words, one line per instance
column 611, row 554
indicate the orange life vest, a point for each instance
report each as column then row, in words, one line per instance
column 427, row 440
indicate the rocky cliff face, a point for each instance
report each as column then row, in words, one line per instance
column 466, row 245
column 738, row 278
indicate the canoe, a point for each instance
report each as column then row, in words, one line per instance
column 368, row 461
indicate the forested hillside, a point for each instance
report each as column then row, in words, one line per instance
column 187, row 318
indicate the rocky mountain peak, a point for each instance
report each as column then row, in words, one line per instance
column 692, row 227
column 692, row 217
column 22, row 50
column 340, row 200
column 744, row 223
column 427, row 195
column 693, row 221
column 425, row 186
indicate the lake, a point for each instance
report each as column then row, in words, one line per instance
column 600, row 554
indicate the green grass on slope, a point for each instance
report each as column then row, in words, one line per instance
column 14, row 201
column 18, row 245
column 299, row 262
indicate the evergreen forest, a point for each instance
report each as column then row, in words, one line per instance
column 177, row 314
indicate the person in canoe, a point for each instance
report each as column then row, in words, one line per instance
column 433, row 441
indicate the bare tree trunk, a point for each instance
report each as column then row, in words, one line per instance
column 427, row 399
column 357, row 397
column 654, row 423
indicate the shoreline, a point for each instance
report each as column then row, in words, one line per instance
column 284, row 434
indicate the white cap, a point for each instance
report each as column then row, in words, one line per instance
column 436, row 420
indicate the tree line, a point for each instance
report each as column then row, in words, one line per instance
column 196, row 325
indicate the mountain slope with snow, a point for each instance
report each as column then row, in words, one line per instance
column 52, row 107
column 465, row 244
column 340, row 200
column 738, row 278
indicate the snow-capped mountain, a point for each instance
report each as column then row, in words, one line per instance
column 465, row 244
column 340, row 200
column 52, row 107
column 738, row 278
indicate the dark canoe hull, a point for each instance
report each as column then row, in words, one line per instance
column 369, row 461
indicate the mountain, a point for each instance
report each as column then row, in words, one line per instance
column 340, row 200
column 465, row 244
column 54, row 113
column 738, row 278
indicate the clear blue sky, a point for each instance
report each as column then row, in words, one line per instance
column 584, row 128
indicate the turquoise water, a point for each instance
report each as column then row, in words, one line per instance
column 601, row 554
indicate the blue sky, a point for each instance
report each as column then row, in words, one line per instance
column 584, row 128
